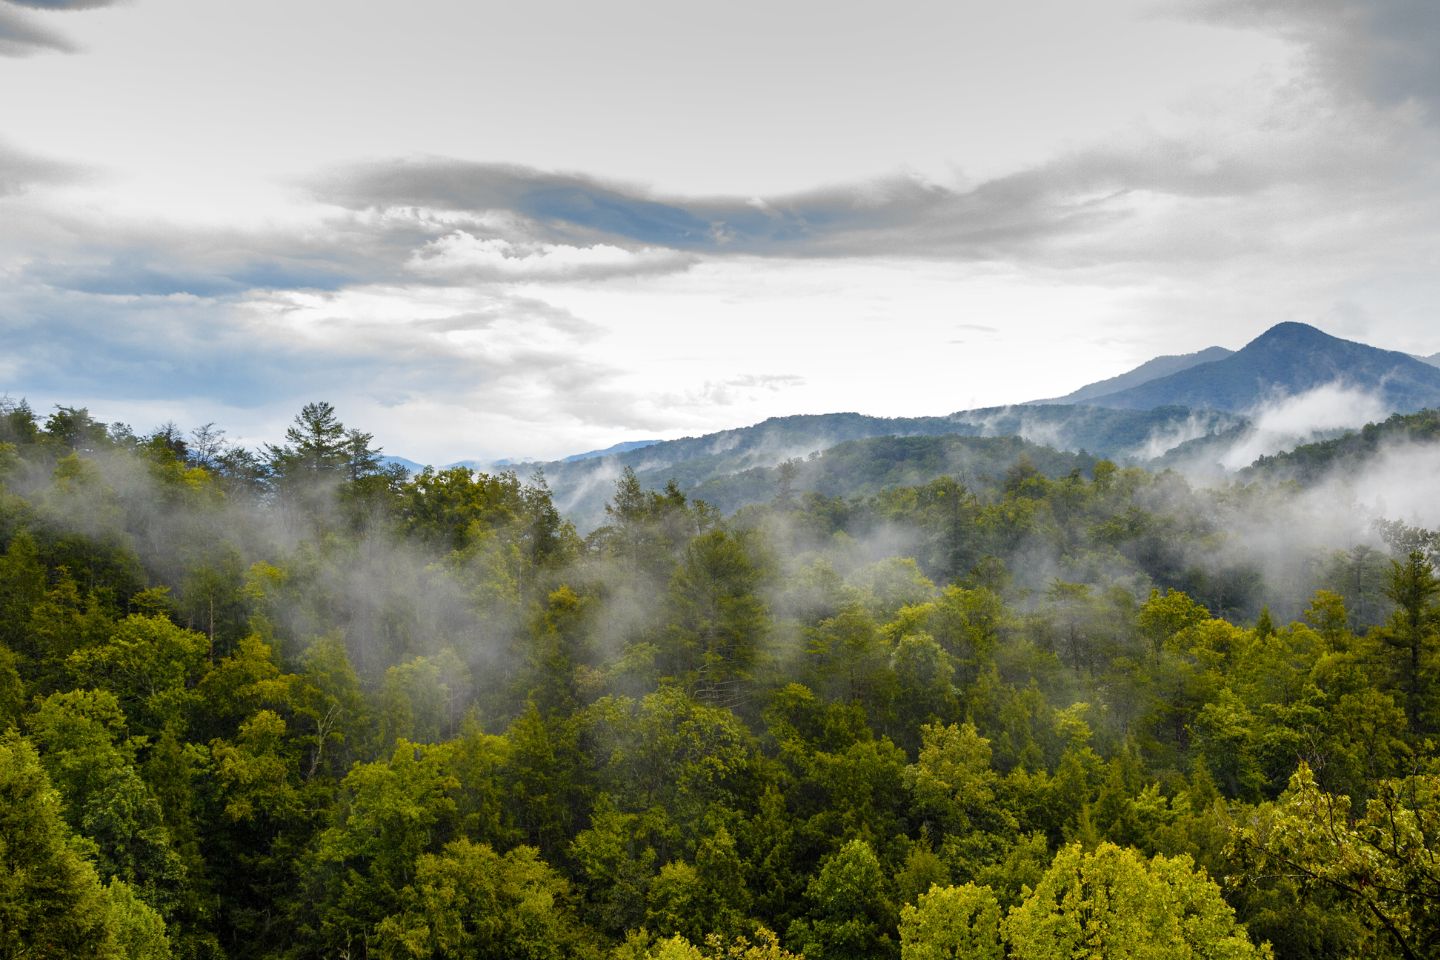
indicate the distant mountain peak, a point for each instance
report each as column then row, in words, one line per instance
column 1292, row 333
column 1288, row 359
column 1147, row 371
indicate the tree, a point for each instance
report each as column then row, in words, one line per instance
column 139, row 930
column 1413, row 630
column 315, row 442
column 952, row 923
column 1380, row 862
column 17, row 422
column 389, row 813
column 847, row 655
column 22, row 589
column 52, row 906
column 925, row 692
column 149, row 664
column 764, row 946
column 318, row 446
column 616, row 859
column 953, row 784
column 850, row 917
column 361, row 459
column 205, row 446
column 718, row 619
column 89, row 757
column 469, row 901
column 73, row 429
column 1165, row 615
column 1112, row 903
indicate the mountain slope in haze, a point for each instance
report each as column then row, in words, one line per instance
column 611, row 450
column 1311, row 462
column 858, row 468
column 582, row 487
column 1147, row 371
column 1288, row 359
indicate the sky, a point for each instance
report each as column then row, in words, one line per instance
column 529, row 230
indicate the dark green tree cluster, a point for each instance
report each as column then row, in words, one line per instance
column 292, row 705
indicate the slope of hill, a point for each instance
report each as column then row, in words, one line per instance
column 613, row 449
column 582, row 487
column 1310, row 462
column 858, row 468
column 1147, row 371
column 1288, row 359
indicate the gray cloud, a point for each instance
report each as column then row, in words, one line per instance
column 20, row 170
column 71, row 252
column 22, row 37
column 1070, row 196
column 106, row 257
column 65, row 4
column 1384, row 50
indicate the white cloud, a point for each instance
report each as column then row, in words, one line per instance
column 1290, row 421
column 462, row 256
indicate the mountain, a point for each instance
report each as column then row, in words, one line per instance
column 410, row 465
column 1288, row 359
column 1433, row 359
column 582, row 487
column 1186, row 409
column 858, row 468
column 1147, row 371
column 610, row 450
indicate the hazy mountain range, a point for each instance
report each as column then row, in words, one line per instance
column 1287, row 359
column 1146, row 372
column 1211, row 411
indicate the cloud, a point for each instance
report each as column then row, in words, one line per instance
column 1302, row 418
column 1383, row 50
column 65, row 4
column 1044, row 212
column 19, row 170
column 899, row 214
column 461, row 256
column 449, row 370
column 22, row 37
column 94, row 254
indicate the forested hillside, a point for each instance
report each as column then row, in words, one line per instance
column 283, row 703
column 727, row 464
column 1348, row 454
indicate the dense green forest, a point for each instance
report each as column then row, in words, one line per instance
column 285, row 703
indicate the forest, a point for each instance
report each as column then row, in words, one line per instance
column 289, row 703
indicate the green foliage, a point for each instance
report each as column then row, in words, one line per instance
column 849, row 915
column 468, row 901
column 953, row 783
column 717, row 620
column 1379, row 864
column 952, row 923
column 1113, row 903
column 82, row 736
column 139, row 930
column 149, row 664
column 296, row 706
column 389, row 813
column 52, row 906
column 1414, row 633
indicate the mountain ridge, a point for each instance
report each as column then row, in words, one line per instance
column 1287, row 359
column 1152, row 369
